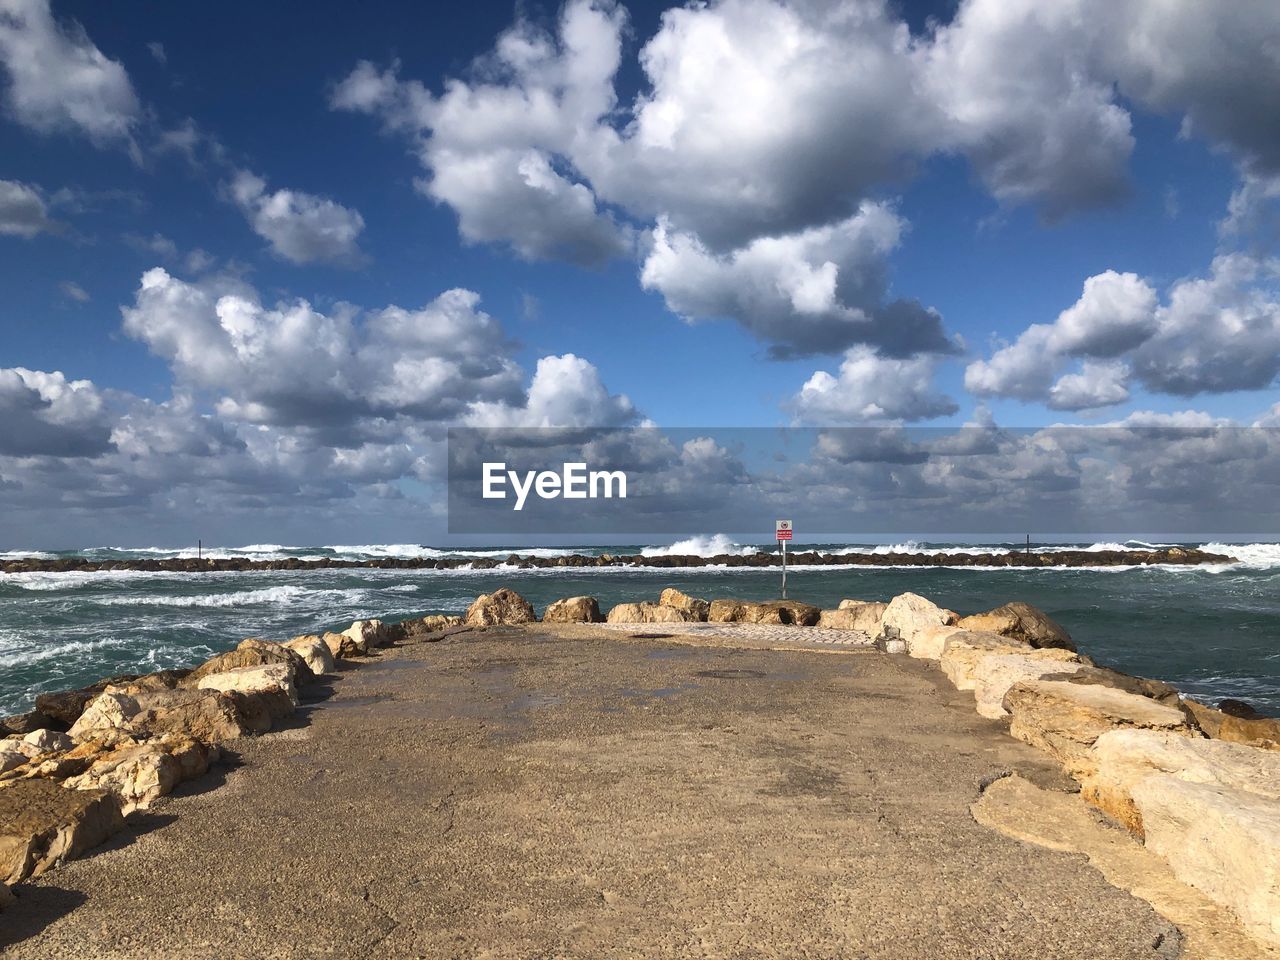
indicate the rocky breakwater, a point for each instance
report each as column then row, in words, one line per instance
column 73, row 769
column 1199, row 786
column 1176, row 556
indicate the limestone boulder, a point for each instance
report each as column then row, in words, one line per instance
column 840, row 620
column 1240, row 726
column 268, row 690
column 24, row 723
column 646, row 612
column 206, row 715
column 12, row 756
column 250, row 653
column 1223, row 842
column 42, row 824
column 909, row 614
column 341, row 647
column 503, row 607
column 1023, row 622
column 866, row 615
column 1066, row 719
column 697, row 608
column 368, row 635
column 314, row 652
column 1156, row 690
column 573, row 610
column 426, row 629
column 995, row 674
column 45, row 741
column 106, row 712
column 929, row 642
column 141, row 773
column 1125, row 758
column 776, row 612
column 962, row 651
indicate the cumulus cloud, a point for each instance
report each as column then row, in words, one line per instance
column 293, row 365
column 870, row 387
column 301, row 227
column 23, row 211
column 1115, row 313
column 566, row 392
column 59, row 80
column 816, row 291
column 45, row 414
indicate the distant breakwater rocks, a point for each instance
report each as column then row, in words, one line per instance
column 1198, row 785
column 1176, row 556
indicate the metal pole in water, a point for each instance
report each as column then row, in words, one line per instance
column 199, row 549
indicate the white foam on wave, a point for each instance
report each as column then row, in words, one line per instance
column 27, row 655
column 1255, row 556
column 240, row 598
column 410, row 551
column 701, row 546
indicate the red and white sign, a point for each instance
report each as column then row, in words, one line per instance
column 783, row 529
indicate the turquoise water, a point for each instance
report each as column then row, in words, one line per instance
column 1214, row 632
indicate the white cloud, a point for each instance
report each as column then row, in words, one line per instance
column 1098, row 384
column 342, row 372
column 73, row 291
column 869, row 388
column 1115, row 313
column 1217, row 333
column 301, row 227
column 157, row 51
column 45, row 414
column 815, row 291
column 566, row 391
column 23, row 211
column 59, row 80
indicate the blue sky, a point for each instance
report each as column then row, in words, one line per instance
column 747, row 213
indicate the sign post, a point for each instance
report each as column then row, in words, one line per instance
column 782, row 530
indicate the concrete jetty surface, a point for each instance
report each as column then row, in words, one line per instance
column 568, row 791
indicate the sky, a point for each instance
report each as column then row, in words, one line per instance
column 252, row 271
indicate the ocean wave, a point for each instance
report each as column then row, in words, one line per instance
column 701, row 546
column 241, row 598
column 1256, row 556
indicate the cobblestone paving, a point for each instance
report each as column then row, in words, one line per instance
column 753, row 632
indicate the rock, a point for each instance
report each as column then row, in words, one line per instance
column 697, row 609
column 929, row 642
column 206, row 715
column 141, row 773
column 573, row 610
column 888, row 644
column 646, row 612
column 43, row 824
column 1223, row 842
column 105, row 713
column 314, row 653
column 995, row 673
column 24, row 723
column 866, row 615
column 839, row 620
column 366, row 635
column 1125, row 758
column 502, row 607
column 1023, row 622
column 269, row 688
column 786, row 612
column 726, row 611
column 1238, row 708
column 250, row 653
column 962, row 651
column 340, row 645
column 12, row 756
column 1255, row 730
column 425, row 629
column 1156, row 690
column 45, row 741
column 910, row 614
column 65, row 706
column 1066, row 719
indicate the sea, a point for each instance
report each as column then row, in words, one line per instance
column 1213, row 631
